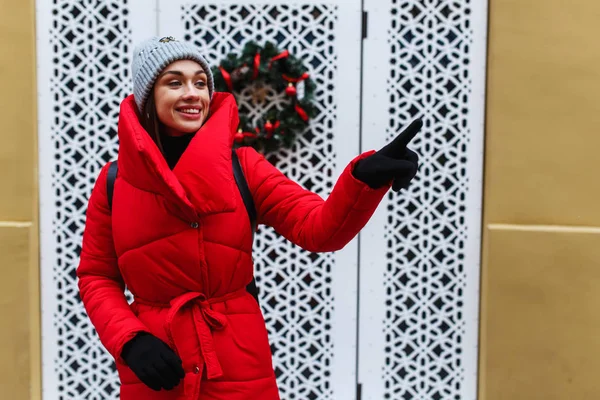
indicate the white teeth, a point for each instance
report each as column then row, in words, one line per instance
column 190, row 111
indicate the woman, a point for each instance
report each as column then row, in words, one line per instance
column 179, row 237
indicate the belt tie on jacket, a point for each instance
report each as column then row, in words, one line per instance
column 205, row 320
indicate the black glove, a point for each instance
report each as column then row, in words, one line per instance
column 154, row 363
column 393, row 162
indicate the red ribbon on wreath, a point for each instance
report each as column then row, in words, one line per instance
column 282, row 55
column 295, row 80
column 297, row 107
column 256, row 65
column 301, row 112
column 279, row 56
column 226, row 78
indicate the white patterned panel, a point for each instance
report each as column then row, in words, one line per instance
column 297, row 291
column 423, row 258
column 294, row 284
column 83, row 74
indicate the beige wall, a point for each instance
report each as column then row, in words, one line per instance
column 19, row 276
column 541, row 258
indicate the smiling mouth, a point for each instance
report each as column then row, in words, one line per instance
column 190, row 111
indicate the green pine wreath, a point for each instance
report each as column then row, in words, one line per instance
column 283, row 72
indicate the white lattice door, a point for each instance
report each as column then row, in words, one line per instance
column 418, row 256
column 419, row 263
column 84, row 52
column 308, row 300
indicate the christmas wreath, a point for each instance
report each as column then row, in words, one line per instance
column 260, row 68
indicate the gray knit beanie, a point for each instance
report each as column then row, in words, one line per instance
column 151, row 56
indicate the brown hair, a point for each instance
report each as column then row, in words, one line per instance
column 150, row 122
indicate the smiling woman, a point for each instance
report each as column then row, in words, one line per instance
column 182, row 97
column 176, row 107
column 177, row 233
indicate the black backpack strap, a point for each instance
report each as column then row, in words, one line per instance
column 111, row 176
column 240, row 179
column 242, row 185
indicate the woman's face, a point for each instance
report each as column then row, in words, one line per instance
column 181, row 97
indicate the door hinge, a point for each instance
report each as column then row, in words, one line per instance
column 359, row 391
column 364, row 24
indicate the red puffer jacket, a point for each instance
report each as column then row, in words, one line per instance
column 181, row 241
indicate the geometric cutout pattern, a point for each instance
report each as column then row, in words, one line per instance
column 295, row 285
column 430, row 44
column 90, row 76
column 425, row 279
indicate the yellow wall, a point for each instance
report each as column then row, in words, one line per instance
column 541, row 258
column 19, row 272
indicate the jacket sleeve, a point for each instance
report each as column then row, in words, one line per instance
column 302, row 216
column 100, row 283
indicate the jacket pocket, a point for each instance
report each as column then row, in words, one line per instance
column 243, row 348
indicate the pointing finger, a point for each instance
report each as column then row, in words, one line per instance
column 398, row 145
column 409, row 133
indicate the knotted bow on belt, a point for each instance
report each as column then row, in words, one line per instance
column 205, row 320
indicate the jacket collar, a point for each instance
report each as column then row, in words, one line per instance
column 202, row 181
